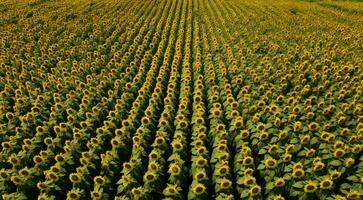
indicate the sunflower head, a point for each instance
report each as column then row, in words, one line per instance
column 171, row 190
column 149, row 177
column 270, row 163
column 249, row 180
column 279, row 182
column 263, row 135
column 354, row 194
column 335, row 175
column 199, row 189
column 310, row 187
column 174, row 169
column 254, row 190
column 248, row 160
column 349, row 162
column 244, row 134
column 75, row 178
column 298, row 173
column 200, row 176
column 137, row 192
column 278, row 197
column 338, row 153
column 326, row 184
column 318, row 166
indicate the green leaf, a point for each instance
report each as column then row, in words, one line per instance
column 335, row 163
column 269, row 186
column 262, row 151
column 261, row 166
column 314, row 140
column 294, row 141
column 353, row 178
column 298, row 184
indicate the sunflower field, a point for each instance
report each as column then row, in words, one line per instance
column 181, row 99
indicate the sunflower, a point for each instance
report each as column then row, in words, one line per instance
column 287, row 157
column 310, row 153
column 248, row 160
column 326, row 184
column 283, row 134
column 263, row 135
column 313, row 126
column 335, row 175
column 278, row 197
column 17, row 180
column 305, row 139
column 225, row 184
column 75, row 178
column 199, row 189
column 99, row 180
column 171, row 190
column 318, row 166
column 254, row 190
column 338, row 153
column 4, row 175
column 150, row 177
column 174, row 169
column 200, row 176
column 270, row 163
column 349, row 162
column 280, row 182
column 244, row 134
column 310, row 187
column 249, row 180
column 298, row 173
column 137, row 192
column 354, row 194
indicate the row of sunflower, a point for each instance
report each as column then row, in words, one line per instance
column 60, row 135
column 188, row 99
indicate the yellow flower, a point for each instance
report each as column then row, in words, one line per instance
column 313, row 126
column 270, row 163
column 335, row 175
column 249, row 180
column 263, row 135
column 75, row 178
column 349, row 162
column 310, row 153
column 310, row 187
column 248, row 160
column 171, row 190
column 278, row 197
column 338, row 153
column 149, row 177
column 298, row 173
column 279, row 182
column 353, row 194
column 199, row 189
column 305, row 139
column 254, row 190
column 318, row 166
column 326, row 184
column 225, row 184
